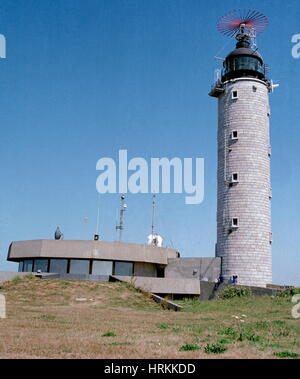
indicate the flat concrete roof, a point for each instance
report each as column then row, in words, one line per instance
column 115, row 251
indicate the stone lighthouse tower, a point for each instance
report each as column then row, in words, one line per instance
column 244, row 236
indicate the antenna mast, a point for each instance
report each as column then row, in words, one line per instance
column 154, row 239
column 120, row 227
column 97, row 236
column 153, row 213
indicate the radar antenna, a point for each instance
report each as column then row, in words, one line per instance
column 58, row 235
column 244, row 25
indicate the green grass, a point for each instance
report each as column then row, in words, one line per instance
column 286, row 354
column 46, row 317
column 227, row 332
column 120, row 344
column 232, row 292
column 189, row 347
column 16, row 280
column 163, row 326
column 289, row 292
column 66, row 350
column 109, row 334
column 252, row 337
column 20, row 279
column 215, row 349
column 279, row 322
column 32, row 311
column 117, row 310
column 224, row 341
column 268, row 322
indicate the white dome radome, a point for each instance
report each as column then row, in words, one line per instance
column 155, row 240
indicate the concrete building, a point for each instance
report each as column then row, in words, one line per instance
column 244, row 236
column 157, row 269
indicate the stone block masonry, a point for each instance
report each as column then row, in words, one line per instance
column 245, row 248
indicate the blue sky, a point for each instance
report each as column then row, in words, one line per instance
column 83, row 79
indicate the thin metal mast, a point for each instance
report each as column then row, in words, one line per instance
column 120, row 227
column 97, row 236
column 153, row 213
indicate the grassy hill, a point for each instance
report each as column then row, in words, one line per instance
column 66, row 319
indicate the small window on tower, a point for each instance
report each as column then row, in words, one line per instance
column 254, row 88
column 234, row 135
column 235, row 178
column 235, row 223
column 234, row 95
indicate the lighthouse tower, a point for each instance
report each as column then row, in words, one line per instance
column 244, row 237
